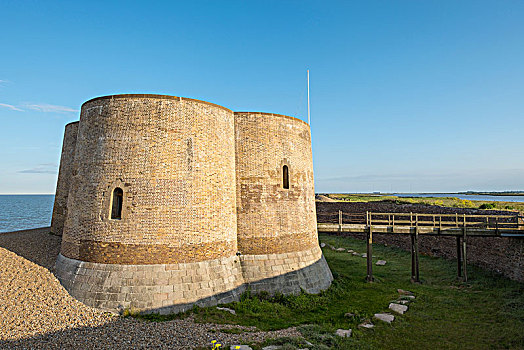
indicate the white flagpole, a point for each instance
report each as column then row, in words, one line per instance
column 308, row 111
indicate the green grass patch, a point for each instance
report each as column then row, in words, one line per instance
column 452, row 202
column 487, row 312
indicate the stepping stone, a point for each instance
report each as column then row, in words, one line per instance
column 341, row 249
column 381, row 262
column 388, row 318
column 351, row 251
column 272, row 347
column 368, row 325
column 403, row 302
column 343, row 333
column 398, row 308
column 404, row 292
column 349, row 314
column 240, row 347
column 407, row 297
column 322, row 245
column 355, row 254
column 365, row 255
column 227, row 309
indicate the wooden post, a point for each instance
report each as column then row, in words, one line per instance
column 369, row 277
column 414, row 258
column 464, row 260
column 417, row 276
column 459, row 262
column 340, row 221
column 393, row 219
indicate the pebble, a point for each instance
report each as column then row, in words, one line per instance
column 404, row 292
column 368, row 325
column 227, row 309
column 344, row 333
column 385, row 317
column 381, row 262
column 398, row 308
column 38, row 313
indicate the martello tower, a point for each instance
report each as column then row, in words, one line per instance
column 167, row 201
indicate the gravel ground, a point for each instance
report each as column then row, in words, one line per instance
column 36, row 312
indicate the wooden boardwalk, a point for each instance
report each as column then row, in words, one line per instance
column 460, row 226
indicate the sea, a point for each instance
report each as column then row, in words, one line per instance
column 25, row 211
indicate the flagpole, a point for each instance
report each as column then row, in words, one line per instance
column 308, row 110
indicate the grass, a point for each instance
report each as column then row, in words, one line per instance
column 440, row 201
column 487, row 312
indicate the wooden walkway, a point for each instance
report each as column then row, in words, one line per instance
column 460, row 226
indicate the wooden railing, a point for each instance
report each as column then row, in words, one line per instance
column 498, row 222
column 442, row 221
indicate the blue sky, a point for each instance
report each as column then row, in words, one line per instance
column 405, row 95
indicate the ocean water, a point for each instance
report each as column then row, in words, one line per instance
column 22, row 212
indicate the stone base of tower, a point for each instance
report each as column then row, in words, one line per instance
column 287, row 273
column 172, row 288
column 160, row 288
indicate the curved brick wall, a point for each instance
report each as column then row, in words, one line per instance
column 277, row 231
column 174, row 160
column 192, row 198
column 64, row 177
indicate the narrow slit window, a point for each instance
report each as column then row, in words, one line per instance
column 285, row 177
column 116, row 209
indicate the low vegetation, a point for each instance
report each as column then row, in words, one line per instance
column 440, row 201
column 486, row 312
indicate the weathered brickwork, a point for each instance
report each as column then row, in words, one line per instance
column 270, row 218
column 174, row 160
column 204, row 214
column 64, row 177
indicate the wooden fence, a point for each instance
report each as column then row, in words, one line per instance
column 459, row 225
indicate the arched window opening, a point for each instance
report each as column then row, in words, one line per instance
column 116, row 209
column 285, row 177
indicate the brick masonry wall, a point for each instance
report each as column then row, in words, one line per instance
column 64, row 177
column 177, row 161
column 501, row 255
column 272, row 219
column 276, row 226
column 174, row 159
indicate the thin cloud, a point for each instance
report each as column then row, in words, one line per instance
column 11, row 107
column 47, row 108
column 45, row 168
